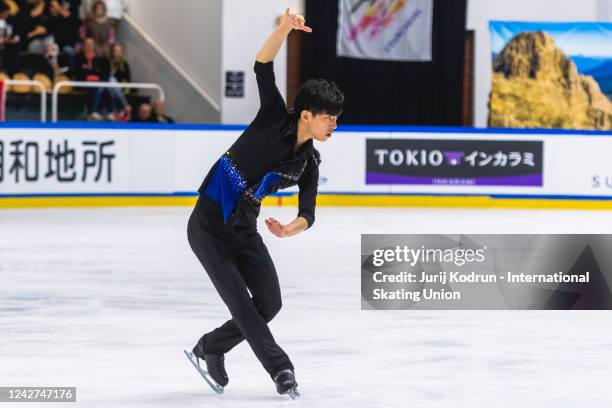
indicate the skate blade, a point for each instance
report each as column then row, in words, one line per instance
column 293, row 393
column 194, row 361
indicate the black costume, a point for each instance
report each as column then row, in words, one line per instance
column 222, row 230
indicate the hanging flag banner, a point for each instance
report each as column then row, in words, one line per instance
column 396, row 30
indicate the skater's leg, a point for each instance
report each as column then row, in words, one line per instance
column 219, row 260
column 257, row 269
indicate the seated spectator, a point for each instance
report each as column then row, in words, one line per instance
column 38, row 40
column 120, row 69
column 144, row 114
column 38, row 37
column 114, row 10
column 63, row 23
column 89, row 66
column 9, row 41
column 119, row 72
column 99, row 27
column 159, row 115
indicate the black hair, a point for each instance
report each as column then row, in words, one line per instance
column 319, row 96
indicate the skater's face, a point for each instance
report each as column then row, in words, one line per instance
column 321, row 126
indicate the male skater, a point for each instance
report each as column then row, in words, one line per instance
column 275, row 152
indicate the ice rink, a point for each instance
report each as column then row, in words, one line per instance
column 106, row 300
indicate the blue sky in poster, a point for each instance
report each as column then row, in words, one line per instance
column 585, row 39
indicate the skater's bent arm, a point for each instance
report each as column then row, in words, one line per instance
column 282, row 231
column 275, row 41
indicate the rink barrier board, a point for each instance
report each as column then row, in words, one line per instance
column 329, row 195
column 323, row 200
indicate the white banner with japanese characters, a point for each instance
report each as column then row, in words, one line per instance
column 398, row 30
column 77, row 161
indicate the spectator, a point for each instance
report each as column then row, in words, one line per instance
column 63, row 23
column 119, row 72
column 115, row 10
column 38, row 37
column 99, row 27
column 144, row 114
column 9, row 41
column 89, row 66
column 120, row 68
column 159, row 115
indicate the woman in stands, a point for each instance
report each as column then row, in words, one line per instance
column 119, row 72
column 99, row 27
column 276, row 151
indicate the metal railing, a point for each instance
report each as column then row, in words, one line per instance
column 82, row 84
column 43, row 93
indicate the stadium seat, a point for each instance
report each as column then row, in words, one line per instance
column 20, row 76
column 45, row 81
column 63, row 90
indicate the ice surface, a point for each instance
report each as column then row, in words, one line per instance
column 106, row 300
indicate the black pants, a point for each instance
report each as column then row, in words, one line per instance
column 237, row 261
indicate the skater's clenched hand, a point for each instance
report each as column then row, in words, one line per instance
column 276, row 227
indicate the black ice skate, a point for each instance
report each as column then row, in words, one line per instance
column 286, row 384
column 214, row 374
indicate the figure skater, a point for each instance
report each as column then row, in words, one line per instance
column 274, row 152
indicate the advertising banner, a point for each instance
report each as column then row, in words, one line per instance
column 454, row 162
column 551, row 75
column 57, row 162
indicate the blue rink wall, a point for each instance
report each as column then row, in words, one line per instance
column 85, row 165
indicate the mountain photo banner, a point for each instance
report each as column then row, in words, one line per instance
column 551, row 75
column 395, row 30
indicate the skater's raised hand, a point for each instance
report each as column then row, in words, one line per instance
column 287, row 23
column 294, row 21
column 276, row 227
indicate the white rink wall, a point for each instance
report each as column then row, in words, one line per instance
column 173, row 161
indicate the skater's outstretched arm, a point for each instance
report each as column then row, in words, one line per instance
column 275, row 41
column 282, row 231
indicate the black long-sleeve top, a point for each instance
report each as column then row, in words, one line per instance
column 263, row 160
column 122, row 74
column 84, row 67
